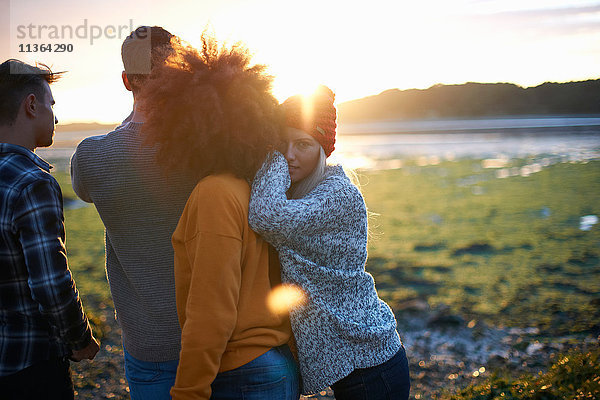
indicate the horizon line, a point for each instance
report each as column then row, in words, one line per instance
column 94, row 122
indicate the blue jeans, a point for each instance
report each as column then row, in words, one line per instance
column 387, row 381
column 149, row 380
column 272, row 376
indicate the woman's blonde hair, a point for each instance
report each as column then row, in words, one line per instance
column 306, row 185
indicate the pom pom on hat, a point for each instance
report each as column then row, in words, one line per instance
column 314, row 114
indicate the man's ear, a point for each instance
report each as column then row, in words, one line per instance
column 126, row 81
column 30, row 105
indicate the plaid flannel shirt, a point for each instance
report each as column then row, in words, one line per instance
column 41, row 315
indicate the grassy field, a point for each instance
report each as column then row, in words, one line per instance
column 507, row 251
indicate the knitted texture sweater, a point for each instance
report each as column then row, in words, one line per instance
column 322, row 244
column 139, row 207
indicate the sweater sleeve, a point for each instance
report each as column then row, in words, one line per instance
column 208, row 279
column 280, row 220
column 76, row 177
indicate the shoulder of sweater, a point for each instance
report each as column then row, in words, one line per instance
column 218, row 204
column 337, row 181
column 109, row 148
column 336, row 173
column 222, row 186
column 109, row 139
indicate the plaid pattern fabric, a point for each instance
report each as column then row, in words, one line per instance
column 41, row 315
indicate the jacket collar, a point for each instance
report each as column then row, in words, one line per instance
column 6, row 148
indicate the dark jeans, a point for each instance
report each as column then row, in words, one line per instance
column 387, row 381
column 272, row 376
column 149, row 380
column 48, row 380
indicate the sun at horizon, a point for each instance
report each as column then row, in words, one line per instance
column 356, row 49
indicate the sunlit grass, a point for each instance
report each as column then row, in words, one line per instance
column 512, row 254
column 510, row 251
column 574, row 375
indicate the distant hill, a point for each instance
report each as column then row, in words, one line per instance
column 471, row 100
column 87, row 126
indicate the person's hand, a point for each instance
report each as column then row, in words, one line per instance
column 88, row 352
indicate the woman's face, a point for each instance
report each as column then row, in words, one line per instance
column 301, row 152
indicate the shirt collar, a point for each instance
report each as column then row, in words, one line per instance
column 37, row 160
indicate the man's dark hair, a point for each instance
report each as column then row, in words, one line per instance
column 17, row 81
column 142, row 50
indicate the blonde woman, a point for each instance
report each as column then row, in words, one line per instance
column 317, row 219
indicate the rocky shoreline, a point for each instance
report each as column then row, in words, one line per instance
column 445, row 353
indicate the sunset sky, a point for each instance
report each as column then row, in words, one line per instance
column 358, row 48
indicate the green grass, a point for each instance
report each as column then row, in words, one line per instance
column 511, row 254
column 575, row 375
column 505, row 251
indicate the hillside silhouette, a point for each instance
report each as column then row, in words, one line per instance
column 85, row 126
column 469, row 100
column 472, row 100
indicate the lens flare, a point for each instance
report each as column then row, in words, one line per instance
column 284, row 298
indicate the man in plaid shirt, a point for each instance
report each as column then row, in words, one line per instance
column 42, row 323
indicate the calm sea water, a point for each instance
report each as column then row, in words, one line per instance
column 573, row 138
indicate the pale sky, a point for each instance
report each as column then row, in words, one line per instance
column 358, row 48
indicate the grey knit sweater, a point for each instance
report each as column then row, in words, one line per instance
column 322, row 244
column 140, row 208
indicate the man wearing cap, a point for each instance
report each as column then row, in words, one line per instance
column 140, row 208
column 42, row 323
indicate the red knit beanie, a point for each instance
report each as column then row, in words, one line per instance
column 314, row 114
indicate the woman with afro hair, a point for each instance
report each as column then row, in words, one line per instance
column 317, row 220
column 212, row 115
